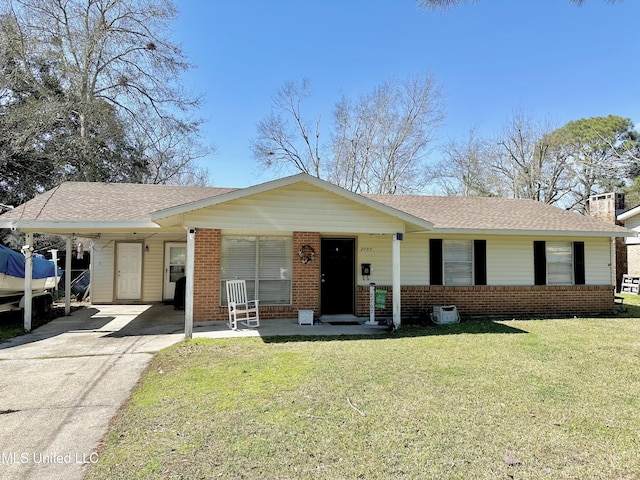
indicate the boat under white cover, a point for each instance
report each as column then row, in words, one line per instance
column 12, row 266
column 12, row 286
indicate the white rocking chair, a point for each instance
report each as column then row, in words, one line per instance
column 240, row 309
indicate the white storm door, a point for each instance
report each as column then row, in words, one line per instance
column 175, row 259
column 128, row 271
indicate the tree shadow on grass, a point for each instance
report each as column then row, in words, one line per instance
column 466, row 327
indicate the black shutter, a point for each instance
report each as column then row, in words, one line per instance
column 435, row 261
column 578, row 263
column 480, row 262
column 540, row 262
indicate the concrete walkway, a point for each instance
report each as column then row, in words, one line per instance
column 61, row 384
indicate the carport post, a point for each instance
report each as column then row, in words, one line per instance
column 27, row 251
column 188, row 298
column 67, row 278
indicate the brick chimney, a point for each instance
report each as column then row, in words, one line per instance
column 606, row 208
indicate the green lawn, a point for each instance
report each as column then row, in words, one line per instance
column 511, row 399
column 9, row 329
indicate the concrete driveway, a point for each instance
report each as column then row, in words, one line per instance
column 61, row 384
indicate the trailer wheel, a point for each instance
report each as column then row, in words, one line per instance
column 41, row 306
column 47, row 301
column 35, row 308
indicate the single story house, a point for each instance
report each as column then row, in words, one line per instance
column 302, row 243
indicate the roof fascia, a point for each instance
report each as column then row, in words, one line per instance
column 35, row 225
column 629, row 213
column 537, row 233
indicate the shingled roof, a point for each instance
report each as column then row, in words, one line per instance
column 121, row 202
column 484, row 214
column 124, row 202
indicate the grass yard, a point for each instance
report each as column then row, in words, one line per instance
column 524, row 399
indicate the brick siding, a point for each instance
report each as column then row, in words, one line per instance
column 206, row 276
column 305, row 294
column 633, row 253
column 418, row 301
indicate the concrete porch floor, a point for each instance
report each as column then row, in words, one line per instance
column 284, row 327
column 165, row 320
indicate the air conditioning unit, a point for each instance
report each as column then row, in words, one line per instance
column 445, row 315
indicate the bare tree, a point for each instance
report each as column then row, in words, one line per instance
column 464, row 170
column 170, row 147
column 285, row 140
column 381, row 141
column 378, row 144
column 528, row 162
column 109, row 73
column 117, row 50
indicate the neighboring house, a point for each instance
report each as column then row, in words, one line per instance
column 631, row 220
column 303, row 243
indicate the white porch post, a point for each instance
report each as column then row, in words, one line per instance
column 188, row 299
column 395, row 279
column 27, row 250
column 67, row 277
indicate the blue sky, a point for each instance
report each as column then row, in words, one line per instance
column 550, row 58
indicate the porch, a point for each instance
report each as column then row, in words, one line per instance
column 99, row 329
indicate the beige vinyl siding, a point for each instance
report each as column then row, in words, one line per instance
column 103, row 266
column 414, row 260
column 298, row 207
column 509, row 258
column 633, row 223
column 376, row 250
column 102, row 271
column 153, row 271
column 597, row 259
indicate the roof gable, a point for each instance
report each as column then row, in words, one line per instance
column 283, row 183
column 299, row 206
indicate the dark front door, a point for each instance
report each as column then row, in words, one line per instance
column 337, row 275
